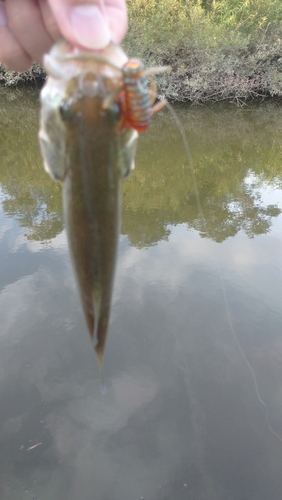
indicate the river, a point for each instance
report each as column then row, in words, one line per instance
column 193, row 362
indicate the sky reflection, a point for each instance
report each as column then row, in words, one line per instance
column 181, row 413
column 195, row 325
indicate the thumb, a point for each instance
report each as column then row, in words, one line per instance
column 90, row 25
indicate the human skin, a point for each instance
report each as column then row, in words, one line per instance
column 28, row 28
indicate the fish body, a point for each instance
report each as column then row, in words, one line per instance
column 91, row 201
column 84, row 147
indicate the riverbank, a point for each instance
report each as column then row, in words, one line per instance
column 238, row 73
column 201, row 75
column 35, row 76
column 211, row 61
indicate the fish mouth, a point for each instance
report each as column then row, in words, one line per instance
column 65, row 61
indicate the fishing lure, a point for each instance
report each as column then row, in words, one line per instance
column 136, row 99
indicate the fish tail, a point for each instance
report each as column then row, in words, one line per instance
column 98, row 348
column 96, row 304
column 99, row 354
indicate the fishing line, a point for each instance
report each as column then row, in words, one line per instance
column 229, row 320
column 186, row 147
column 228, row 314
column 189, row 155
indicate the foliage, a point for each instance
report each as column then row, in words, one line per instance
column 234, row 154
column 163, row 24
column 232, row 158
column 30, row 196
column 34, row 76
column 218, row 49
column 201, row 20
column 249, row 16
column 239, row 73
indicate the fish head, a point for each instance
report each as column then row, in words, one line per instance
column 81, row 85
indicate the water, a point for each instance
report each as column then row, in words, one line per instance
column 193, row 363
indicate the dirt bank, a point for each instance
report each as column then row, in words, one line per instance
column 200, row 75
column 35, row 76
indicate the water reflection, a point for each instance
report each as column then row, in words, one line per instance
column 182, row 418
column 234, row 154
column 31, row 199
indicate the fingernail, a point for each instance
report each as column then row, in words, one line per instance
column 90, row 27
column 3, row 15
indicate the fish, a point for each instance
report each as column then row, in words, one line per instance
column 84, row 149
column 88, row 138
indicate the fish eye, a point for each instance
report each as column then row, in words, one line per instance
column 65, row 110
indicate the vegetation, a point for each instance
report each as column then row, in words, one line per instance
column 218, row 49
column 28, row 194
column 164, row 24
column 35, row 76
column 234, row 156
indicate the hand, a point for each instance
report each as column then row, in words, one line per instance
column 28, row 28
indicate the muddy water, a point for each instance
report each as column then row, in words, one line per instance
column 193, row 362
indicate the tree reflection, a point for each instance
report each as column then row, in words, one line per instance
column 30, row 196
column 223, row 218
column 235, row 155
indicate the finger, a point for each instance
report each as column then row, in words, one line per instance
column 49, row 20
column 82, row 25
column 92, row 25
column 26, row 23
column 117, row 16
column 12, row 54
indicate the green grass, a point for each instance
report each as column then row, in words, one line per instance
column 218, row 49
column 161, row 25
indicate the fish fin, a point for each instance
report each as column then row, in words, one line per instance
column 53, row 67
column 54, row 158
column 99, row 354
column 110, row 99
column 128, row 138
column 52, row 137
column 96, row 304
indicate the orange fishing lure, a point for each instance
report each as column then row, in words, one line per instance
column 137, row 99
